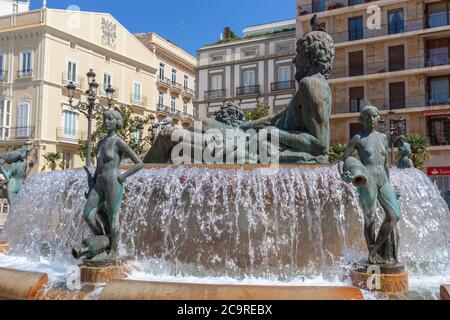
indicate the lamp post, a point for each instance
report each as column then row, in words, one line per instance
column 90, row 108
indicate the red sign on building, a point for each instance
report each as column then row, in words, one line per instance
column 438, row 171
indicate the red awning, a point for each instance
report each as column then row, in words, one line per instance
column 437, row 113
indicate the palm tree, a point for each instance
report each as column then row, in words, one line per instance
column 419, row 149
column 52, row 159
column 337, row 152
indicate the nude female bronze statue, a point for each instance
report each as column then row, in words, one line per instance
column 372, row 177
column 101, row 212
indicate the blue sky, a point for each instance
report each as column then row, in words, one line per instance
column 188, row 23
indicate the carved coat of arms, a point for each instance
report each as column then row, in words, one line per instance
column 109, row 33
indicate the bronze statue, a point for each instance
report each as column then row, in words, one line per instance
column 302, row 129
column 372, row 177
column 101, row 212
column 15, row 174
column 405, row 161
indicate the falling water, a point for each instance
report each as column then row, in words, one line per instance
column 207, row 222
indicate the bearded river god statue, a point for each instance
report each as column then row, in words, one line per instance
column 298, row 135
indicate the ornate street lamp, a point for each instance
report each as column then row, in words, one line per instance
column 90, row 108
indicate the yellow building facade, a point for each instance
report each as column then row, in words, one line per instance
column 40, row 52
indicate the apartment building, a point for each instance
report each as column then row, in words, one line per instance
column 252, row 69
column 42, row 51
column 397, row 56
column 175, row 85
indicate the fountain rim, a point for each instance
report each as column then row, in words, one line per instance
column 231, row 167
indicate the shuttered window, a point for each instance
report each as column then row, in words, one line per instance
column 356, row 63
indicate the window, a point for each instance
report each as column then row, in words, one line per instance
column 70, row 119
column 216, row 82
column 356, row 63
column 186, row 83
column 284, row 74
column 23, row 112
column 249, row 78
column 72, row 72
column 356, row 98
column 398, row 128
column 396, row 58
column 136, row 135
column 108, row 59
column 25, row 64
column 137, row 95
column 318, row 5
column 437, row 52
column 5, row 119
column 355, row 28
column 354, row 2
column 396, row 21
column 107, row 81
column 161, row 71
column 217, row 57
column 397, row 95
column 174, row 77
column 185, row 108
column 439, row 91
column 67, row 160
column 173, row 107
column 437, row 14
column 161, row 98
column 2, row 71
column 440, row 130
column 355, row 128
column 249, row 53
column 283, row 48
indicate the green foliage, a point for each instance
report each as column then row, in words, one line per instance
column 261, row 111
column 132, row 126
column 337, row 152
column 228, row 34
column 419, row 148
column 52, row 159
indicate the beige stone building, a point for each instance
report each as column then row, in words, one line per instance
column 396, row 55
column 40, row 52
column 175, row 85
column 255, row 68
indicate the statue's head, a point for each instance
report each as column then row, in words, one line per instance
column 315, row 53
column 369, row 116
column 230, row 114
column 113, row 120
column 405, row 149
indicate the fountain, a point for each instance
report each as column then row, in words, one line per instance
column 211, row 228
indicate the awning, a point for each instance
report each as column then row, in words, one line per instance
column 437, row 113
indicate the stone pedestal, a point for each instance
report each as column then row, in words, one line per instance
column 445, row 292
column 93, row 272
column 4, row 248
column 381, row 278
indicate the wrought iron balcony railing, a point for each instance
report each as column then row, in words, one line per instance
column 25, row 73
column 17, row 133
column 283, row 85
column 246, row 90
column 70, row 135
column 69, row 77
column 215, row 94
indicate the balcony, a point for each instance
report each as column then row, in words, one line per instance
column 138, row 100
column 18, row 133
column 283, row 86
column 188, row 93
column 70, row 136
column 442, row 139
column 23, row 74
column 247, row 90
column 68, row 77
column 3, row 76
column 102, row 91
column 376, row 67
column 163, row 82
column 163, row 109
column 175, row 87
column 317, row 6
column 426, row 22
column 215, row 94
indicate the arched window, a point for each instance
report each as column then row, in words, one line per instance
column 23, row 119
